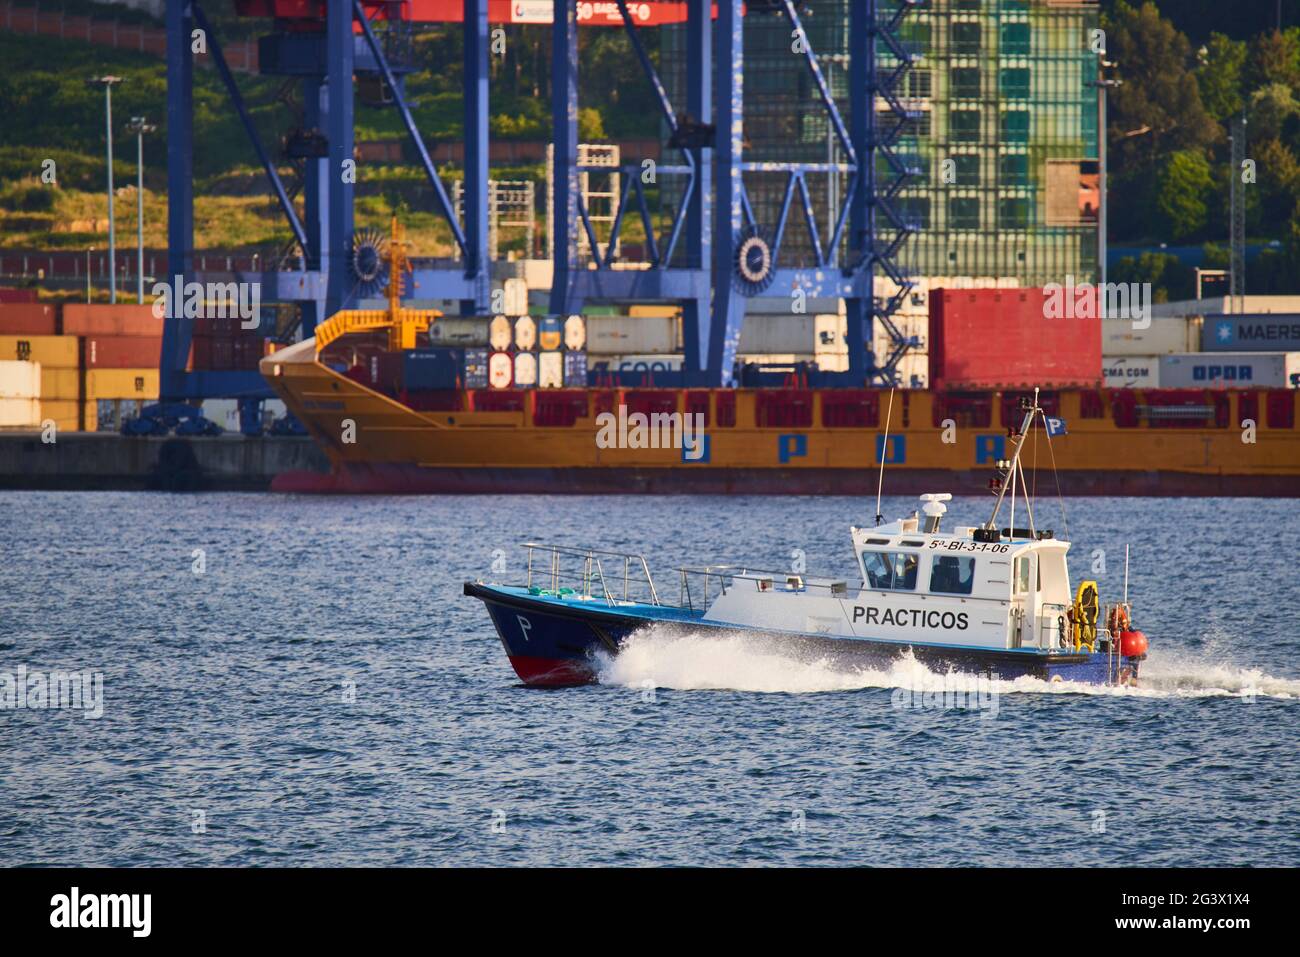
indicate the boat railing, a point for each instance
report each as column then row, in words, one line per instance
column 611, row 576
column 726, row 576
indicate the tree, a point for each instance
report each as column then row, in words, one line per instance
column 1221, row 76
column 1182, row 195
column 1158, row 109
column 1274, row 58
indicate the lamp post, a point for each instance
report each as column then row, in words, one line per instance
column 107, row 83
column 139, row 127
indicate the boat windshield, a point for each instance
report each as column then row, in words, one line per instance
column 890, row 570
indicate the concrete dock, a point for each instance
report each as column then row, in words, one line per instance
column 108, row 461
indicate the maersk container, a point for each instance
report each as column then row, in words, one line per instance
column 1130, row 372
column 1231, row 370
column 1241, row 333
column 1004, row 338
column 625, row 335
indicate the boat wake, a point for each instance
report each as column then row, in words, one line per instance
column 664, row 657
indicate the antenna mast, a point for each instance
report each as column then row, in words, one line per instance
column 1009, row 472
column 884, row 453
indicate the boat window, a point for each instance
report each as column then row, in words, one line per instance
column 952, row 575
column 877, row 541
column 1022, row 574
column 891, row 570
column 908, row 544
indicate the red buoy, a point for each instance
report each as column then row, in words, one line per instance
column 1133, row 644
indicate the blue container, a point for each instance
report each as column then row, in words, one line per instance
column 1278, row 332
column 425, row 369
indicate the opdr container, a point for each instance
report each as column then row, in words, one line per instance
column 1130, row 372
column 1231, row 370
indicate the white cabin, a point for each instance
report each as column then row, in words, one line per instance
column 918, row 586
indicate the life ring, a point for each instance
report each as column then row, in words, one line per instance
column 1083, row 614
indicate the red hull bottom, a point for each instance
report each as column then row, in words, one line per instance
column 687, row 480
column 551, row 672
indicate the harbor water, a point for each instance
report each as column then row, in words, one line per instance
column 299, row 681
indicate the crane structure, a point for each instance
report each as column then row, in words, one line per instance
column 713, row 254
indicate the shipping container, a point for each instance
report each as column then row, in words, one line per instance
column 1231, row 370
column 653, row 311
column 121, row 352
column 122, row 383
column 1130, row 372
column 575, row 369
column 775, row 334
column 1003, row 338
column 122, row 319
column 647, row 363
column 525, row 369
column 421, row 370
column 1246, row 333
column 64, row 413
column 20, row 380
column 29, row 319
column 60, row 383
column 1162, row 336
column 9, row 294
column 624, row 335
column 501, row 370
column 59, row 352
column 914, row 328
column 550, row 370
column 459, row 332
column 476, row 369
column 20, row 413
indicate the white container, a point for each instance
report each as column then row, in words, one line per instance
column 627, row 335
column 1130, row 372
column 20, row 380
column 1231, row 370
column 550, row 370
column 914, row 370
column 646, row 363
column 459, row 332
column 917, row 327
column 1163, row 336
column 20, row 413
column 777, row 334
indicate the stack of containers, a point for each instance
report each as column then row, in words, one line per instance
column 646, row 339
column 223, row 344
column 1133, row 351
column 120, row 348
column 29, row 334
column 20, row 404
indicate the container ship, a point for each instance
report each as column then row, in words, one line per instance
column 398, row 410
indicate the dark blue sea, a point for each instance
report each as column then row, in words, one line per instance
column 299, row 681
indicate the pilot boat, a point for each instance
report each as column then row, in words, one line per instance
column 988, row 600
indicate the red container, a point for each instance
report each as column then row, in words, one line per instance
column 202, row 351
column 28, row 319
column 120, row 352
column 9, row 294
column 87, row 319
column 1004, row 338
column 223, row 354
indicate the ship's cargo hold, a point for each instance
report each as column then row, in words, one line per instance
column 1130, row 372
column 121, row 352
column 20, row 380
column 575, row 333
column 28, row 318
column 122, row 383
column 1162, row 335
column 459, row 332
column 122, row 319
column 59, row 352
column 1231, row 370
column 525, row 369
column 1003, row 338
column 525, row 332
column 9, row 294
column 575, row 370
column 550, row 370
column 624, row 335
column 18, row 413
column 777, row 333
column 60, row 383
column 501, row 370
column 1242, row 333
column 476, row 368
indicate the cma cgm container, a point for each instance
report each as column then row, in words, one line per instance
column 1231, row 370
column 1004, row 338
column 1130, row 372
column 1262, row 333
